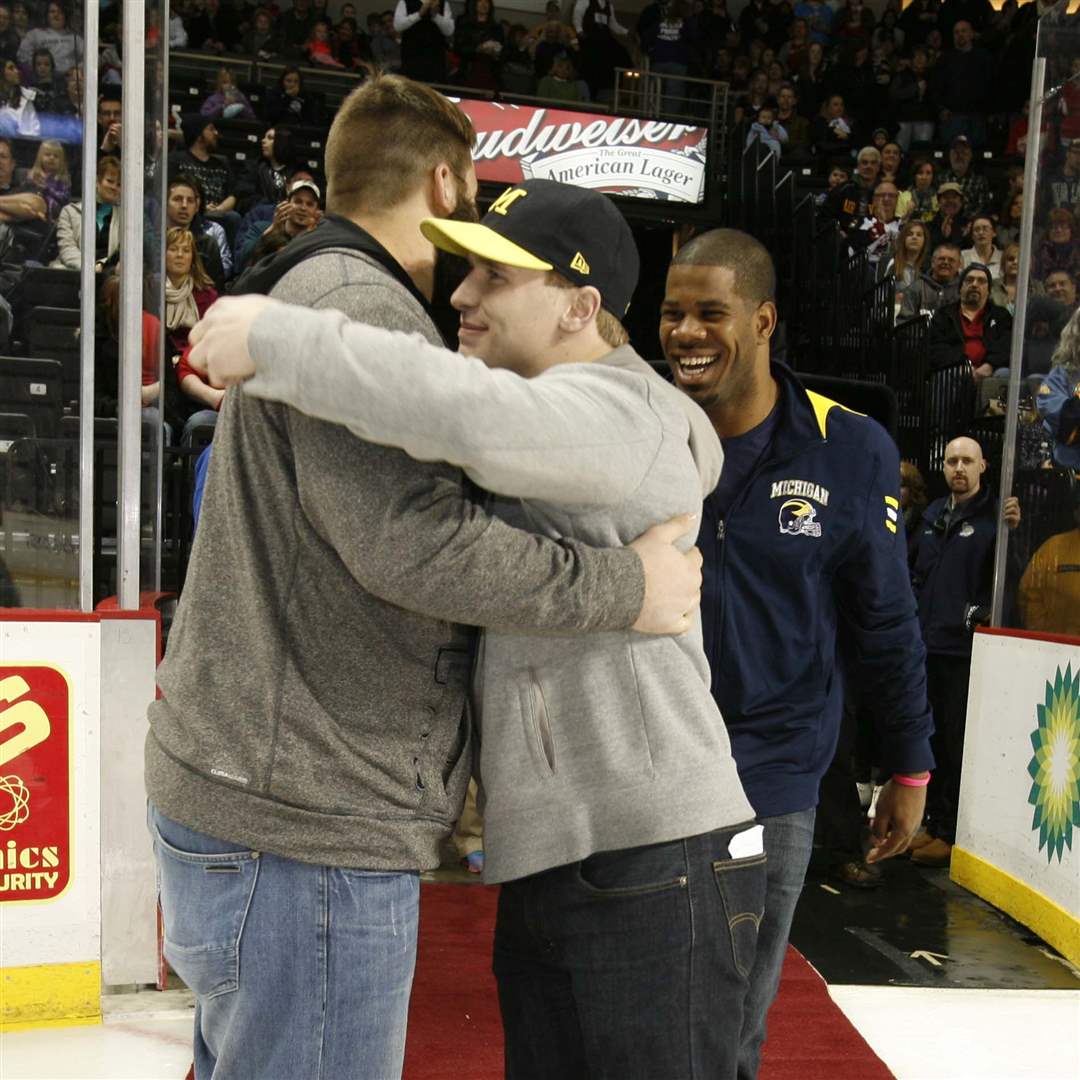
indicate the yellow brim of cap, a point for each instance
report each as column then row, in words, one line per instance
column 472, row 238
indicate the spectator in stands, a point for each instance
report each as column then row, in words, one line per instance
column 183, row 200
column 940, row 288
column 107, row 230
column 18, row 116
column 1012, row 213
column 1070, row 104
column 789, row 117
column 892, row 163
column 1049, row 594
column 107, row 357
column 950, row 223
column 178, row 36
column 50, row 176
column 386, row 44
column 9, row 37
column 1060, row 250
column 1017, row 139
column 965, row 80
column 1063, row 187
column 833, row 131
column 23, row 211
column 426, row 28
column 45, row 83
column 479, row 42
column 919, row 201
column 976, row 190
column 298, row 214
column 972, row 328
column 561, row 82
column 601, row 51
column 261, row 41
column 913, row 502
column 258, row 219
column 1058, row 399
column 351, row 47
column 792, row 53
column 887, row 33
column 812, row 82
column 983, row 248
column 289, row 103
column 65, row 45
column 761, row 20
column 854, row 25
column 669, row 47
column 189, row 292
column 109, row 122
column 1003, row 291
column 1060, row 285
column 518, row 74
column 912, row 99
column 319, row 47
column 911, row 256
column 953, row 577
column 768, row 130
column 878, row 231
column 213, row 29
column 818, row 17
column 211, row 170
column 227, row 102
column 294, row 25
column 854, row 79
column 266, row 178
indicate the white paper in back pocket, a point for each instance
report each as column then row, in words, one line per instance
column 749, row 842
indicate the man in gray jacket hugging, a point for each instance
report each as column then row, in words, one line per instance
column 633, row 873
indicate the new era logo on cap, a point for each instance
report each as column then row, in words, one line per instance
column 545, row 225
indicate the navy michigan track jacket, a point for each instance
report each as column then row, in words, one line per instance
column 813, row 541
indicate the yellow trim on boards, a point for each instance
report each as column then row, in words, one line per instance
column 50, row 995
column 1048, row 919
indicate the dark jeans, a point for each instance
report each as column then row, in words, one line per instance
column 947, row 688
column 789, row 840
column 630, row 965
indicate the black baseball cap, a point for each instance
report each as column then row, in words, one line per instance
column 545, row 225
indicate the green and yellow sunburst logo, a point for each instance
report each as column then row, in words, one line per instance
column 1055, row 768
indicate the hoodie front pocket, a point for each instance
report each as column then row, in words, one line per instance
column 537, row 722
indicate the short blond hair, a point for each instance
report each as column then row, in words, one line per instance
column 385, row 140
column 611, row 331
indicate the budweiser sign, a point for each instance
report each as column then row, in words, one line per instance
column 643, row 159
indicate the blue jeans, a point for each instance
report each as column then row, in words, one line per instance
column 789, row 841
column 298, row 970
column 630, row 965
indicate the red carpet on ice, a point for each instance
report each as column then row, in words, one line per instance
column 454, row 1031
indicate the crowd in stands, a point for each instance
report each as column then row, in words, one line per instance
column 911, row 125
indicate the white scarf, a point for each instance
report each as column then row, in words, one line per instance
column 180, row 309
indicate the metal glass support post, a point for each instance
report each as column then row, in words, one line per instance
column 128, row 523
column 1016, row 356
column 87, row 301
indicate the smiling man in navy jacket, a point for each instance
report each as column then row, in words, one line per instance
column 802, row 533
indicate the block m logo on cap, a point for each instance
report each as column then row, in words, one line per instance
column 507, row 199
column 579, row 264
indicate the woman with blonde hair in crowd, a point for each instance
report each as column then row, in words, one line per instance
column 51, row 177
column 1003, row 290
column 189, row 293
column 107, row 222
column 910, row 258
column 919, row 202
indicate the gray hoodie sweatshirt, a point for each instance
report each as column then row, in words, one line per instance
column 587, row 743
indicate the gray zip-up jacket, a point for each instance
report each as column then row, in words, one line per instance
column 313, row 691
column 587, row 743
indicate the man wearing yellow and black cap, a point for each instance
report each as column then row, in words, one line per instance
column 632, row 869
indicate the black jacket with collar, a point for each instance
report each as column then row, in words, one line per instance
column 946, row 336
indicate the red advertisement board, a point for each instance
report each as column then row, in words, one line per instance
column 35, row 783
column 642, row 159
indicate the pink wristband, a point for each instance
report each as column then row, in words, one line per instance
column 911, row 781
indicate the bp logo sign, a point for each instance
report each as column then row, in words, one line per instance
column 1055, row 768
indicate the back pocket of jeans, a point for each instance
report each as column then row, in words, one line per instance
column 741, row 883
column 204, row 902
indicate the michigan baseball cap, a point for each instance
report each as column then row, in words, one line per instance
column 545, row 225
